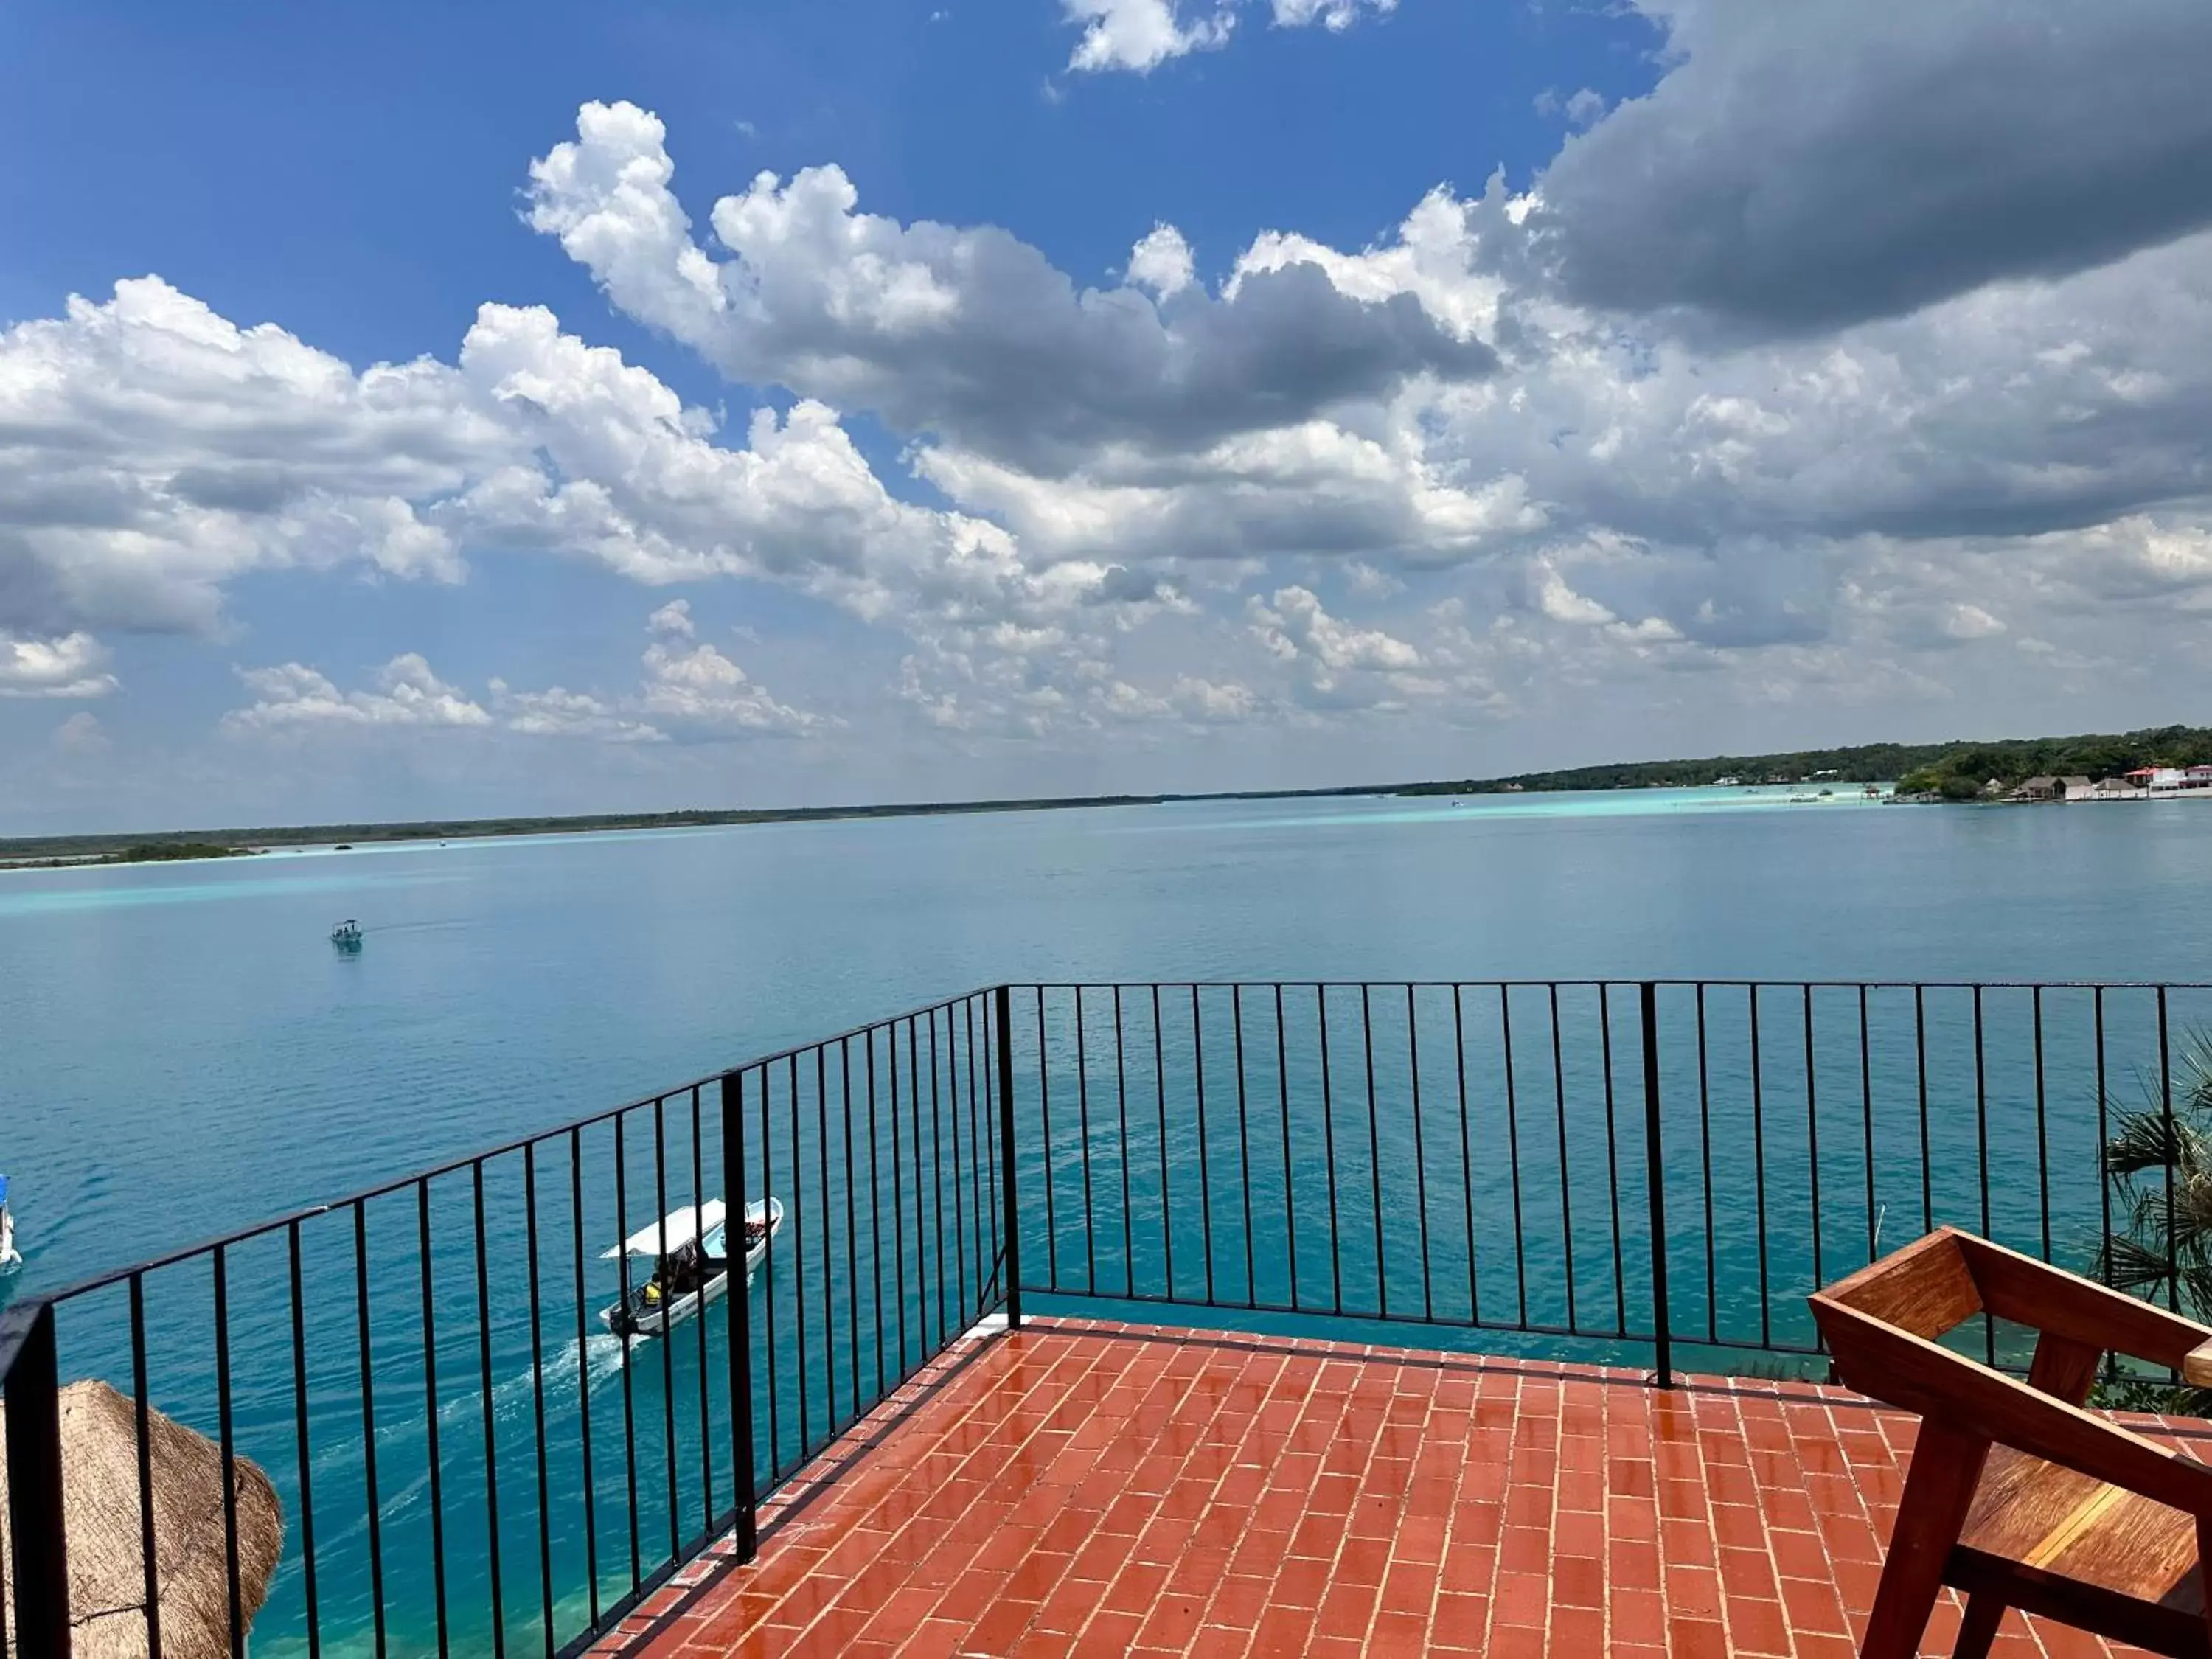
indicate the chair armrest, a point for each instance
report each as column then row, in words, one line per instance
column 1949, row 1388
column 2196, row 1365
column 2035, row 1294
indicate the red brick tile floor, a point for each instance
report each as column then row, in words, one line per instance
column 1079, row 1488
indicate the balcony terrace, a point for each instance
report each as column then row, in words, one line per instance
column 1079, row 1335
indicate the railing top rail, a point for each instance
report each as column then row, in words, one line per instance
column 114, row 1276
column 1595, row 980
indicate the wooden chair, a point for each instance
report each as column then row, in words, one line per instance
column 2018, row 1496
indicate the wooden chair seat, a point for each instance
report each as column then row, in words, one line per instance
column 2016, row 1494
column 2065, row 1526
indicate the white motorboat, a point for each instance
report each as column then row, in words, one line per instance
column 8, row 1256
column 688, row 1250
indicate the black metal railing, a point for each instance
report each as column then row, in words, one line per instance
column 1641, row 1171
column 463, row 1460
column 1622, row 1169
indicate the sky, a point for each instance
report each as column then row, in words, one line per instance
column 411, row 411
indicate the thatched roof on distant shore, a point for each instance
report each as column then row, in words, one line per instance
column 107, row 1593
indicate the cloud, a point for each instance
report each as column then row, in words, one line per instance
column 1581, row 108
column 968, row 333
column 82, row 734
column 698, row 686
column 1803, row 166
column 1141, row 34
column 294, row 697
column 1335, row 15
column 558, row 712
column 686, row 685
column 68, row 666
column 1162, row 262
column 155, row 450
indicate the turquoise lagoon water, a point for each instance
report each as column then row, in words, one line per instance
column 185, row 1055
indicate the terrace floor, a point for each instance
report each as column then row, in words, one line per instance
column 1079, row 1488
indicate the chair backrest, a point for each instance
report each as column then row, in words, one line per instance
column 1925, row 1291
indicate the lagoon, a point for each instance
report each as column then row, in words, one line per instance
column 187, row 1054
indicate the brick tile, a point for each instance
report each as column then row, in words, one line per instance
column 1084, row 1487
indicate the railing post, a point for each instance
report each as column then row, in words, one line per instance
column 741, row 1313
column 1005, row 1008
column 1655, row 1181
column 38, row 1553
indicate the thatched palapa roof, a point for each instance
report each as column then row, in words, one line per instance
column 100, row 1508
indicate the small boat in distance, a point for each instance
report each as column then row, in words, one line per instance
column 8, row 1256
column 690, row 1250
column 347, row 936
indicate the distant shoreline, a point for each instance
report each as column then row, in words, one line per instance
column 1957, row 770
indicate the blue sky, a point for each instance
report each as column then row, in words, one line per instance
column 1157, row 395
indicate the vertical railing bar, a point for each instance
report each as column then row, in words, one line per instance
column 1812, row 1132
column 1920, row 1070
column 667, row 1332
column 1244, row 1141
column 875, row 1212
column 1566, row 1200
column 1205, row 1172
column 1420, row 1154
column 1982, row 1151
column 1655, row 1179
column 142, row 1410
column 2103, row 1141
column 966, row 1308
column 576, row 1230
column 1466, row 1154
column 734, row 1227
column 225, row 1429
column 2166, row 1111
column 829, row 1241
column 630, row 1409
column 976, row 1155
column 1705, row 1149
column 1611, row 1156
column 1122, row 1106
column 799, row 1255
column 851, row 1200
column 743, row 1473
column 1044, row 1126
column 1329, row 1162
column 1082, row 1124
column 1513, row 1157
column 1010, row 1195
column 1865, row 1120
column 921, row 1232
column 37, row 1480
column 1160, row 1100
column 1374, row 1149
column 537, row 1398
column 1283, row 1091
column 937, row 1181
column 767, row 1268
column 490, row 1427
column 430, row 1408
column 368, row 1423
column 898, row 1193
column 2042, row 1131
column 1758, row 1171
column 299, row 1432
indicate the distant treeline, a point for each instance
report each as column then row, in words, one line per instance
column 1950, row 770
column 1953, row 770
column 219, row 843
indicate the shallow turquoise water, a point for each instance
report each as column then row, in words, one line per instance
column 185, row 1055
